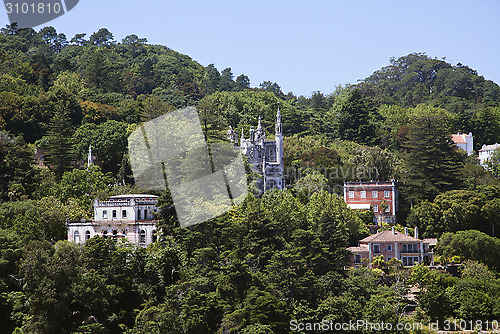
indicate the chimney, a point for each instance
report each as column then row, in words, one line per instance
column 416, row 232
column 406, row 230
column 393, row 230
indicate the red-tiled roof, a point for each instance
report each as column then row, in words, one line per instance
column 459, row 139
column 388, row 236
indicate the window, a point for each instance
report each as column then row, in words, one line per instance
column 363, row 194
column 115, row 235
column 374, row 194
column 357, row 258
column 388, row 209
column 138, row 214
column 375, row 208
column 154, row 236
column 416, row 259
column 142, row 239
column 404, row 248
column 124, row 213
column 351, row 194
column 87, row 235
column 104, row 214
column 387, row 193
column 76, row 236
column 389, row 247
column 376, row 249
column 145, row 214
column 114, row 213
column 104, row 234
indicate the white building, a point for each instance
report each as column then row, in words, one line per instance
column 123, row 216
column 265, row 156
column 465, row 142
column 485, row 153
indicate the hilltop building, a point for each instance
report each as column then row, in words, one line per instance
column 379, row 196
column 464, row 141
column 392, row 244
column 123, row 216
column 265, row 156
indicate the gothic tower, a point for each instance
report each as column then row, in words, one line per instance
column 279, row 138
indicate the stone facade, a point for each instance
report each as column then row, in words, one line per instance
column 123, row 216
column 265, row 156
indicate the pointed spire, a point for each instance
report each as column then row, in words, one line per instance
column 278, row 122
column 90, row 157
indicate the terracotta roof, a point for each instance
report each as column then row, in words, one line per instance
column 459, row 139
column 388, row 236
column 360, row 249
column 489, row 147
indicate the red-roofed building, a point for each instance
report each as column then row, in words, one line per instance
column 393, row 244
column 379, row 196
column 464, row 141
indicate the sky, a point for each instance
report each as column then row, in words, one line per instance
column 304, row 46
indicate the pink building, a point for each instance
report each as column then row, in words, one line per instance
column 393, row 244
column 379, row 196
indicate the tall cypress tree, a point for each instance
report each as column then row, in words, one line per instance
column 433, row 163
column 59, row 154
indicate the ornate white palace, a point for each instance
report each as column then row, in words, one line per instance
column 265, row 156
column 123, row 216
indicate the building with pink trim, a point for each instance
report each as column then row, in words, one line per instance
column 393, row 244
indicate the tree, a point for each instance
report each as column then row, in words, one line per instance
column 432, row 161
column 16, row 169
column 242, row 82
column 471, row 245
column 493, row 163
column 103, row 37
column 350, row 118
column 272, row 87
column 59, row 151
column 226, row 82
column 79, row 39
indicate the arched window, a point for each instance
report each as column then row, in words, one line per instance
column 115, row 235
column 154, row 236
column 87, row 235
column 76, row 236
column 142, row 239
column 104, row 234
column 271, row 184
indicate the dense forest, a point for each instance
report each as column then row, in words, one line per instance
column 270, row 260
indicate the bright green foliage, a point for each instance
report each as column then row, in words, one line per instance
column 471, row 245
column 458, row 210
column 493, row 163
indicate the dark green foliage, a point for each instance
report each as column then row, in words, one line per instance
column 350, row 118
column 433, row 162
